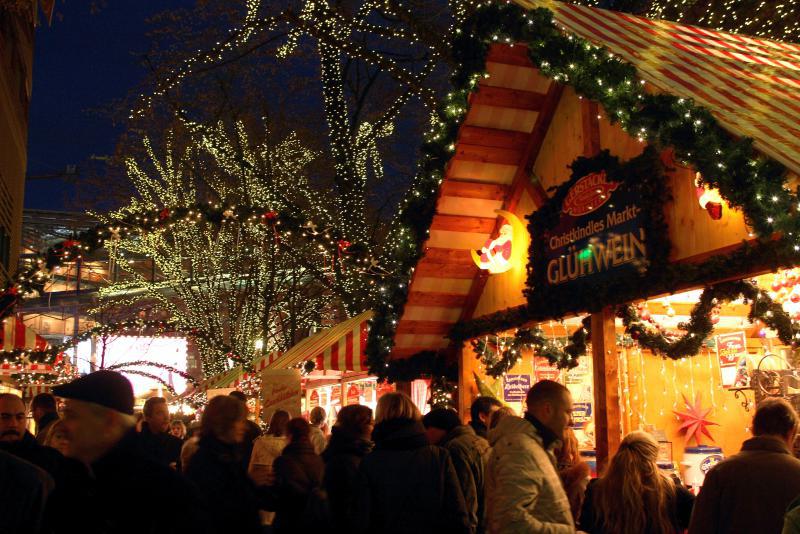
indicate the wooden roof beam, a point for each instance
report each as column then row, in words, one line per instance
column 447, row 270
column 439, row 300
column 465, row 189
column 484, row 154
column 423, row 327
column 507, row 54
column 503, row 97
column 492, row 137
column 462, row 223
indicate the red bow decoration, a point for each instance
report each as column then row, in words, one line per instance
column 163, row 214
column 270, row 217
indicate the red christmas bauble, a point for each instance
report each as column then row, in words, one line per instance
column 795, row 297
column 714, row 319
column 645, row 314
column 776, row 285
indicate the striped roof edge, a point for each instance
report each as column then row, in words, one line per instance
column 751, row 85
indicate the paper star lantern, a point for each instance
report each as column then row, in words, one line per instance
column 694, row 421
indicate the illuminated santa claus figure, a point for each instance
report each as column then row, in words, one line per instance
column 496, row 253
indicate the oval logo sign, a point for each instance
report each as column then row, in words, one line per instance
column 588, row 194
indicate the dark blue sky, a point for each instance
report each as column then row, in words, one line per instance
column 83, row 62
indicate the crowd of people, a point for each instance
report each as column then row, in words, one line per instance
column 96, row 469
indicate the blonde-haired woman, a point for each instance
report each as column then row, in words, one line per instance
column 407, row 485
column 634, row 497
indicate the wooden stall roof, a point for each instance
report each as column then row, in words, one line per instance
column 497, row 146
column 751, row 85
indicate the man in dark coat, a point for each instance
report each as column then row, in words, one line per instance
column 45, row 412
column 408, row 485
column 750, row 491
column 469, row 453
column 70, row 476
column 98, row 419
column 155, row 440
column 480, row 412
column 24, row 489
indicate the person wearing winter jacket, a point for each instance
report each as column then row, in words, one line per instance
column 469, row 453
column 299, row 500
column 265, row 450
column 230, row 497
column 349, row 443
column 523, row 490
column 406, row 484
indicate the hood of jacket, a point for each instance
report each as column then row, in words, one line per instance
column 399, row 434
column 342, row 443
column 511, row 425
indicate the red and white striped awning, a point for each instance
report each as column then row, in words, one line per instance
column 751, row 85
column 15, row 334
column 338, row 348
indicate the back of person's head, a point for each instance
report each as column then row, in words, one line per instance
column 568, row 454
column 499, row 414
column 483, row 406
column 441, row 418
column 545, row 391
column 46, row 402
column 775, row 417
column 150, row 404
column 220, row 416
column 277, row 423
column 396, row 405
column 298, row 430
column 317, row 416
column 238, row 395
column 354, row 421
column 633, row 496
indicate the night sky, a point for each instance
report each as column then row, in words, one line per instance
column 82, row 63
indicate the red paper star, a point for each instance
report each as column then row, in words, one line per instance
column 694, row 422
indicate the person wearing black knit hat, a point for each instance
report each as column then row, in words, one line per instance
column 99, row 423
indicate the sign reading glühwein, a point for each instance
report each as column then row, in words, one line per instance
column 600, row 232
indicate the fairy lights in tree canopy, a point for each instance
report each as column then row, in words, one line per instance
column 234, row 272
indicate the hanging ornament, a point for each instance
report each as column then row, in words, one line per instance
column 670, row 311
column 645, row 314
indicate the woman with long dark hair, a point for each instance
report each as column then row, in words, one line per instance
column 634, row 497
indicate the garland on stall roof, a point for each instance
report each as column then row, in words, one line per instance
column 700, row 325
column 32, row 278
column 499, row 354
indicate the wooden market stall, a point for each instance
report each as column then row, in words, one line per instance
column 621, row 222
